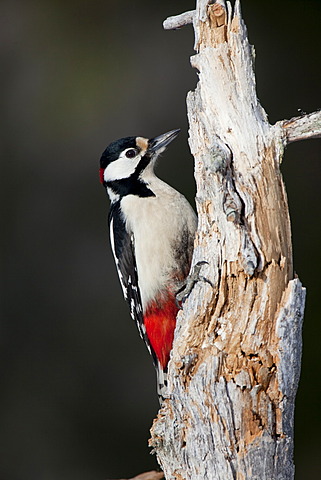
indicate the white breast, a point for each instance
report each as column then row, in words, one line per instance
column 157, row 222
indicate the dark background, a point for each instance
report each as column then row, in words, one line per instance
column 77, row 386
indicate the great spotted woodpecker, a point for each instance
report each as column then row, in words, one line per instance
column 152, row 228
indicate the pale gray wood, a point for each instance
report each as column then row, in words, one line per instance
column 301, row 128
column 178, row 21
column 236, row 357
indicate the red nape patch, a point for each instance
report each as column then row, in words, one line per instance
column 101, row 175
column 160, row 321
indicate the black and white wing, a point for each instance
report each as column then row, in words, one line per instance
column 123, row 247
column 122, row 244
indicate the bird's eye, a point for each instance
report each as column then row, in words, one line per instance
column 131, row 153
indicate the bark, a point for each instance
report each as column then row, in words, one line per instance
column 235, row 362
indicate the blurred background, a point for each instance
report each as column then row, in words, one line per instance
column 77, row 386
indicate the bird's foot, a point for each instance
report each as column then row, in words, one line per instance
column 184, row 291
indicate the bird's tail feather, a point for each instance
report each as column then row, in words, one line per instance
column 161, row 382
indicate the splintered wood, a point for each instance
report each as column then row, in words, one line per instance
column 217, row 25
column 235, row 362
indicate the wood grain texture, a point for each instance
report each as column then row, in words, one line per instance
column 235, row 362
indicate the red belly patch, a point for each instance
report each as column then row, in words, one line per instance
column 160, row 321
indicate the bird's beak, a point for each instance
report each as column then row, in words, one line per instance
column 158, row 144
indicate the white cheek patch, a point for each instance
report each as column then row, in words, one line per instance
column 122, row 168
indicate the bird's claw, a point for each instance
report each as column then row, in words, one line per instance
column 194, row 277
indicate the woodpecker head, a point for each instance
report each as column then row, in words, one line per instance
column 127, row 164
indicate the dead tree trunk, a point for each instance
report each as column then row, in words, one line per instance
column 235, row 362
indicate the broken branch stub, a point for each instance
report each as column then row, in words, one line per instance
column 236, row 356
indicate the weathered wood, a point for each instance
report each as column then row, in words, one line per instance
column 178, row 21
column 301, row 128
column 236, row 357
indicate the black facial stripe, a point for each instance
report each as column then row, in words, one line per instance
column 133, row 185
column 130, row 186
column 144, row 161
